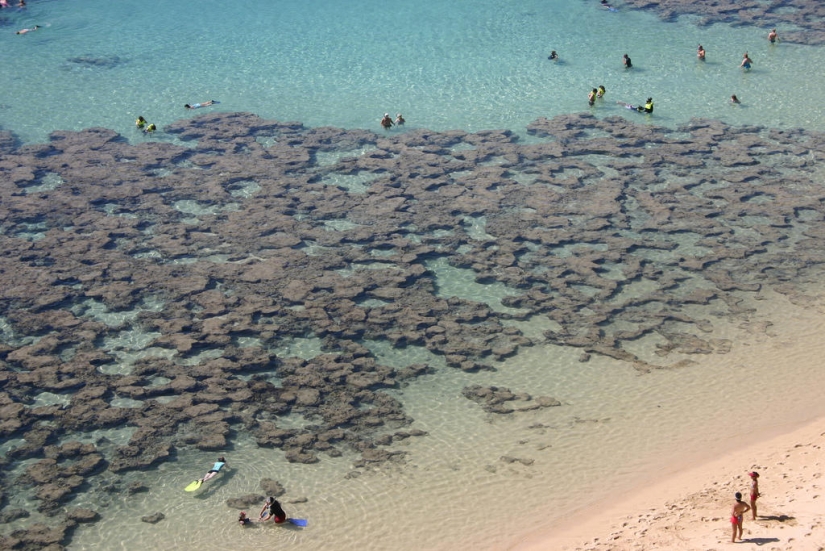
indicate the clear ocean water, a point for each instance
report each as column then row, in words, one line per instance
column 460, row 64
column 464, row 64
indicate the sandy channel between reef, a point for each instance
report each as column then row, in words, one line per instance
column 689, row 510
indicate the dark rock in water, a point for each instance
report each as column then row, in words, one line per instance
column 82, row 515
column 10, row 515
column 245, row 501
column 272, row 487
column 136, row 488
column 91, row 60
column 492, row 399
column 37, row 536
column 153, row 518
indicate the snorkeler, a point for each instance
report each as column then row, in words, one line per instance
column 24, row 31
column 199, row 105
column 646, row 108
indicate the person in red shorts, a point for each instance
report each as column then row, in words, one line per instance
column 754, row 491
column 275, row 512
column 736, row 516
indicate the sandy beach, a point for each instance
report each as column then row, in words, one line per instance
column 689, row 509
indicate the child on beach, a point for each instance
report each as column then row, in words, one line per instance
column 736, row 515
column 754, row 491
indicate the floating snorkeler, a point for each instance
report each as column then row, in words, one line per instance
column 646, row 108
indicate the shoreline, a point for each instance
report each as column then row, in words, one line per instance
column 687, row 508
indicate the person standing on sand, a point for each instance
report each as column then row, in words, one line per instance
column 736, row 516
column 754, row 491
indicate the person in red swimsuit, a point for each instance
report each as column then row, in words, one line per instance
column 754, row 491
column 736, row 516
column 274, row 512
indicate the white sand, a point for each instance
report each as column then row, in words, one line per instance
column 690, row 509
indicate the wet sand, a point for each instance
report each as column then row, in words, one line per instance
column 689, row 508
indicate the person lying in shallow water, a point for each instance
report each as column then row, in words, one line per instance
column 202, row 104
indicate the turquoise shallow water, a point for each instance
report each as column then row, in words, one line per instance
column 470, row 65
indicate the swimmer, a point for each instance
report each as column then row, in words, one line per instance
column 646, row 108
column 746, row 62
column 24, row 31
column 734, row 99
column 243, row 520
column 399, row 120
column 219, row 464
column 149, row 129
column 626, row 60
column 386, row 122
column 21, row 4
column 700, row 53
column 199, row 105
column 772, row 36
column 602, row 91
column 591, row 97
column 140, row 122
column 553, row 56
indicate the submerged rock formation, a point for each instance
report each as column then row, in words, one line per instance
column 159, row 286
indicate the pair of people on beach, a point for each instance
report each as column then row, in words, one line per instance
column 271, row 510
column 739, row 509
column 387, row 122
